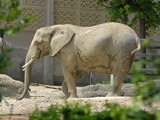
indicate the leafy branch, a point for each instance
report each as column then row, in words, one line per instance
column 132, row 11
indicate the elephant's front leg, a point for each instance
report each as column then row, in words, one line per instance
column 69, row 84
column 71, row 91
column 77, row 75
column 65, row 89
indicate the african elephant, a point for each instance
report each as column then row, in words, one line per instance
column 106, row 48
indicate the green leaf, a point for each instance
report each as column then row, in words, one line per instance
column 120, row 10
column 11, row 19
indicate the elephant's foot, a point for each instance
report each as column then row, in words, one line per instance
column 72, row 98
column 112, row 94
column 67, row 96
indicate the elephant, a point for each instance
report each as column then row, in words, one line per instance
column 107, row 48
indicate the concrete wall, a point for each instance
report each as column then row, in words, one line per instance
column 19, row 45
column 48, row 70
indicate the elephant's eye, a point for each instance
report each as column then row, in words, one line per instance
column 50, row 36
column 62, row 32
column 38, row 33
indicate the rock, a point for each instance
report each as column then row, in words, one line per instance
column 10, row 87
column 101, row 90
column 97, row 90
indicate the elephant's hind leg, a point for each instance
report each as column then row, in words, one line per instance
column 117, row 84
column 120, row 75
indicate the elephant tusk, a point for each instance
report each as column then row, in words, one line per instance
column 28, row 63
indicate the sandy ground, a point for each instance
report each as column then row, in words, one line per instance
column 42, row 96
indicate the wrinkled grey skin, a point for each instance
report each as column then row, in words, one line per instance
column 107, row 48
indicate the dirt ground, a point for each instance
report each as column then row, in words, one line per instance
column 42, row 96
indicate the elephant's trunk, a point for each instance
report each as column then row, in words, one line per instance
column 26, row 82
column 32, row 54
column 27, row 68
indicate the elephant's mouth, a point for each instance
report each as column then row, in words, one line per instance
column 42, row 54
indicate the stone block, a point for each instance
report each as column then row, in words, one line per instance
column 10, row 87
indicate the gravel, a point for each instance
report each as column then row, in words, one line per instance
column 42, row 96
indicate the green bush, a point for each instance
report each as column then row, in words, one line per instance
column 5, row 60
column 79, row 112
column 147, row 11
column 67, row 112
column 149, row 91
column 11, row 22
column 117, row 112
column 11, row 19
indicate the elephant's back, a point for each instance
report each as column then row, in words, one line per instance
column 109, row 27
column 99, row 45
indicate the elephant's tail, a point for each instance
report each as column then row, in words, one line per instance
column 138, row 45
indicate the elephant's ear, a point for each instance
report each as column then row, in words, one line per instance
column 61, row 36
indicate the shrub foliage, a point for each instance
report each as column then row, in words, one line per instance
column 147, row 11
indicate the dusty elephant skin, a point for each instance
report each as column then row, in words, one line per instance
column 107, row 48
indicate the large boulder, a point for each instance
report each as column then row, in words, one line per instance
column 101, row 90
column 10, row 87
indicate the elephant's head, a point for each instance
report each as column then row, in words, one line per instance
column 46, row 41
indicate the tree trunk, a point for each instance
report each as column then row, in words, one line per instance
column 143, row 36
